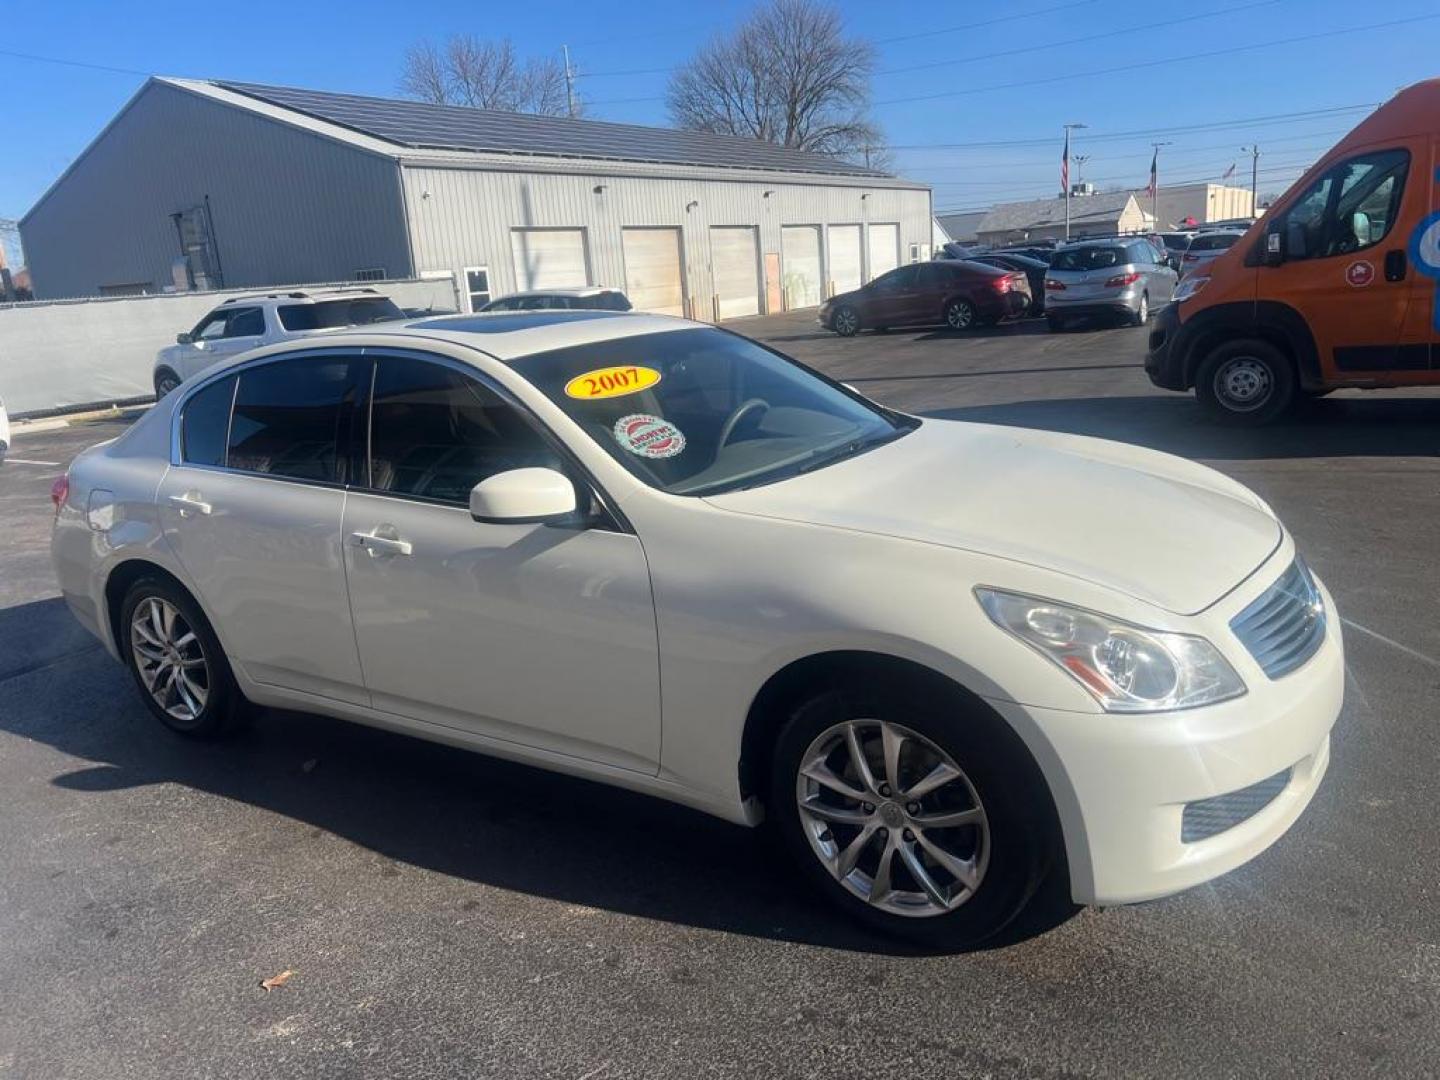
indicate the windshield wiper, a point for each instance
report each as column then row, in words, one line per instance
column 847, row 450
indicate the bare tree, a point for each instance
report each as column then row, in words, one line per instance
column 484, row 75
column 788, row 75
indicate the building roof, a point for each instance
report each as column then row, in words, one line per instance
column 1102, row 209
column 961, row 226
column 419, row 125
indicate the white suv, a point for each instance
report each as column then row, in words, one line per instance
column 247, row 322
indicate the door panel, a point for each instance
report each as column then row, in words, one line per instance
column 266, row 560
column 536, row 635
column 654, row 273
column 800, row 249
column 844, row 258
column 884, row 249
column 549, row 258
column 735, row 269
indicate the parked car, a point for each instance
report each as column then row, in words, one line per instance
column 4, row 431
column 958, row 250
column 247, row 322
column 956, row 293
column 594, row 298
column 1107, row 277
column 1336, row 287
column 1031, row 251
column 1205, row 248
column 940, row 659
column 1033, row 269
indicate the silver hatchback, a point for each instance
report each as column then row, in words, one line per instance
column 1125, row 277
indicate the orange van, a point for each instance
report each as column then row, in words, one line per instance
column 1335, row 286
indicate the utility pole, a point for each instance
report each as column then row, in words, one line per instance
column 1155, row 185
column 1065, row 173
column 1254, row 152
column 569, row 81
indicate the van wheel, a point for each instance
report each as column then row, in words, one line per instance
column 1142, row 313
column 177, row 661
column 919, row 819
column 165, row 381
column 1245, row 383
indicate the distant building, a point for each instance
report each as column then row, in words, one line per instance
column 1195, row 204
column 961, row 227
column 1044, row 219
column 203, row 184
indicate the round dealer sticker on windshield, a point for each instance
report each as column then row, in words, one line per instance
column 649, row 436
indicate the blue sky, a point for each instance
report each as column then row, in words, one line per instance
column 977, row 55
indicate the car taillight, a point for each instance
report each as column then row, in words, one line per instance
column 1002, row 284
column 1051, row 285
column 1119, row 281
column 59, row 492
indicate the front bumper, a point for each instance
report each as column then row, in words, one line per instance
column 1122, row 783
column 1164, row 363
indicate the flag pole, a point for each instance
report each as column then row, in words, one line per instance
column 1065, row 175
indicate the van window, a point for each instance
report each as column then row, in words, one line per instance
column 1351, row 207
column 1087, row 258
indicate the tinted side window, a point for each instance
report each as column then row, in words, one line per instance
column 245, row 322
column 435, row 433
column 203, row 427
column 896, row 280
column 291, row 417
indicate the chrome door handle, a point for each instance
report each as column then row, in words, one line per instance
column 190, row 503
column 381, row 545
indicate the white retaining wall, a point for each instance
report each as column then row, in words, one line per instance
column 67, row 353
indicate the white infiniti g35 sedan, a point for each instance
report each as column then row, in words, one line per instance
column 939, row 659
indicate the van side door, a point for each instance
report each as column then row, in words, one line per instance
column 1344, row 267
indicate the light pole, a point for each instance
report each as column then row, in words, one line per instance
column 1254, row 152
column 1065, row 173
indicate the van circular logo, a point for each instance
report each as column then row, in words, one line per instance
column 1360, row 273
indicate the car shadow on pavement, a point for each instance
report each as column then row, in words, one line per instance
column 1348, row 426
column 447, row 811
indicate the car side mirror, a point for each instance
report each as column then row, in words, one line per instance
column 1274, row 249
column 183, row 339
column 523, row 496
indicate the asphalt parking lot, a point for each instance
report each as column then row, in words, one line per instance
column 450, row 916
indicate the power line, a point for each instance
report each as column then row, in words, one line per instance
column 988, row 22
column 1070, row 76
column 952, row 61
column 1295, row 169
column 1046, row 160
column 72, row 63
column 1113, row 178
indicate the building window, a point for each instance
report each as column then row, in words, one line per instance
column 477, row 284
column 376, row 273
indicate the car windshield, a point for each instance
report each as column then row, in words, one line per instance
column 331, row 314
column 1087, row 258
column 695, row 412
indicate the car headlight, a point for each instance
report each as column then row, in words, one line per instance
column 1126, row 668
column 1190, row 286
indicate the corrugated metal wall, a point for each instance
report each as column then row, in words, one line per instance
column 287, row 205
column 462, row 218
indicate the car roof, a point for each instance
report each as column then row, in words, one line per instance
column 506, row 336
column 300, row 296
column 587, row 290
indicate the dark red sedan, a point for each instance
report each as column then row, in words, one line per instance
column 954, row 293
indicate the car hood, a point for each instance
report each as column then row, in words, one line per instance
column 1155, row 527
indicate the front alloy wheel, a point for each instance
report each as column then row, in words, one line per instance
column 846, row 321
column 893, row 818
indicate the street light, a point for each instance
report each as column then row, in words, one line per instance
column 1065, row 173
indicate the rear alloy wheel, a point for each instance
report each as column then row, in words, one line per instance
column 177, row 661
column 845, row 321
column 960, row 315
column 165, row 381
column 1246, row 382
column 919, row 822
column 1142, row 313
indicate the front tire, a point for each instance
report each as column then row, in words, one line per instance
column 165, row 381
column 845, row 321
column 919, row 818
column 960, row 314
column 1141, row 314
column 1245, row 383
column 177, row 662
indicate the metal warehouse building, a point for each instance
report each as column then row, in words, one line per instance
column 201, row 184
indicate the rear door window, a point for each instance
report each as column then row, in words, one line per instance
column 245, row 322
column 205, row 423
column 292, row 418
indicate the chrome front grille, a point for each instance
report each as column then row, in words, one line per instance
column 1205, row 818
column 1283, row 626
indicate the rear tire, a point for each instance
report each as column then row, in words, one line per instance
column 177, row 662
column 1000, row 855
column 1141, row 315
column 165, row 381
column 960, row 314
column 1245, row 383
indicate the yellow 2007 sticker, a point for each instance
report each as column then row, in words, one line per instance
column 611, row 382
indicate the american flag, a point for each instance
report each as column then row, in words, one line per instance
column 1154, row 168
column 1065, row 165
column 1229, row 172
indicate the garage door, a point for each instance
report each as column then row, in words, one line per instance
column 800, row 265
column 735, row 266
column 884, row 249
column 844, row 257
column 549, row 258
column 654, row 273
